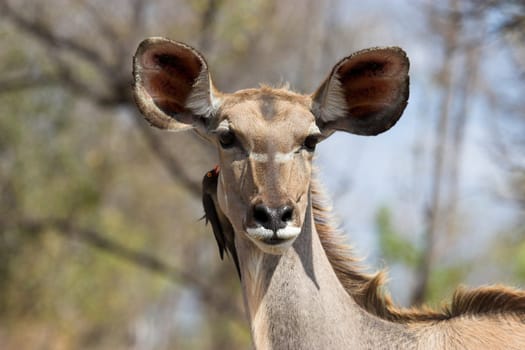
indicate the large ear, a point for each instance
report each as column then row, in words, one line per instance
column 173, row 88
column 365, row 93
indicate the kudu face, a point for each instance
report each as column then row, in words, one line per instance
column 266, row 143
column 266, row 137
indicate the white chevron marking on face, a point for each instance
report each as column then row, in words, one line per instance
column 259, row 157
column 279, row 157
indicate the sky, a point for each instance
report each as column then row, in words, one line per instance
column 364, row 173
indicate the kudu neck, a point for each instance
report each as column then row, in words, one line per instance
column 295, row 300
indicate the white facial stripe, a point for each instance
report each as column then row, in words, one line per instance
column 278, row 158
column 259, row 157
column 283, row 157
column 262, row 233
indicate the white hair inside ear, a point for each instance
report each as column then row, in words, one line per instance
column 365, row 93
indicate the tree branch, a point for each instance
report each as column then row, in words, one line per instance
column 29, row 81
column 218, row 303
column 172, row 165
column 137, row 20
column 120, row 89
column 432, row 213
column 45, row 35
column 107, row 30
column 208, row 20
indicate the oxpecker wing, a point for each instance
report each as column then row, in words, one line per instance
column 221, row 227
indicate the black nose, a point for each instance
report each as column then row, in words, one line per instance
column 272, row 218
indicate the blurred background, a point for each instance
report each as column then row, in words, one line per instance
column 101, row 246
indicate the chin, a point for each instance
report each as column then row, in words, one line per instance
column 270, row 242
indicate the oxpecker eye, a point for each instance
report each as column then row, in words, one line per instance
column 310, row 142
column 227, row 139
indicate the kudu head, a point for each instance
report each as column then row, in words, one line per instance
column 266, row 137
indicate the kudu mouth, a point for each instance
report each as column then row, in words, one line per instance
column 272, row 228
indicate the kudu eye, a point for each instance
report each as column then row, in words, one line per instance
column 227, row 139
column 310, row 142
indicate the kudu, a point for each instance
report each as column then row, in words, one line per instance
column 302, row 287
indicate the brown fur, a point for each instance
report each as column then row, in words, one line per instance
column 265, row 91
column 368, row 292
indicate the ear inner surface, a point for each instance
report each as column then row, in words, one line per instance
column 172, row 83
column 168, row 75
column 366, row 92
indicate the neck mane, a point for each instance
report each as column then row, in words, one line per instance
column 368, row 292
column 319, row 284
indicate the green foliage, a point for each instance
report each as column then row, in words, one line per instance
column 55, row 167
column 443, row 280
column 394, row 247
column 397, row 249
column 63, row 157
column 67, row 153
column 56, row 164
column 519, row 261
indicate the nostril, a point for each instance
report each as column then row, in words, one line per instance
column 272, row 218
column 286, row 214
column 261, row 214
